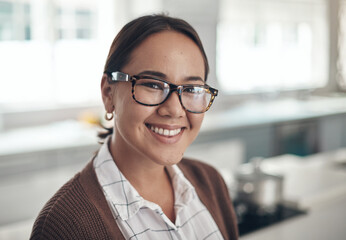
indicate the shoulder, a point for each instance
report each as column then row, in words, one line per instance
column 58, row 211
column 64, row 198
column 69, row 214
column 44, row 222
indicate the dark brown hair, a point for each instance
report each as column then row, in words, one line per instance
column 135, row 32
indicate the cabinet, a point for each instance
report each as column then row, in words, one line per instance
column 332, row 132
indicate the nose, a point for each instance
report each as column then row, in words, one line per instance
column 172, row 107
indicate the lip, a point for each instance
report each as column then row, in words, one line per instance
column 166, row 139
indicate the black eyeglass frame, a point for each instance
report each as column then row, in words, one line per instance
column 123, row 77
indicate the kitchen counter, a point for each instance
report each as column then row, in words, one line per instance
column 255, row 113
column 252, row 113
column 268, row 128
column 50, row 146
column 64, row 134
column 316, row 183
column 325, row 222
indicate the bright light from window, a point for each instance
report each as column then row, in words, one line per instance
column 56, row 52
column 272, row 45
column 341, row 66
column 52, row 52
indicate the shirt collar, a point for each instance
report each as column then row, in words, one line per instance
column 184, row 192
column 123, row 197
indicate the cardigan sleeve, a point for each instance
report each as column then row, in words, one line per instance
column 69, row 215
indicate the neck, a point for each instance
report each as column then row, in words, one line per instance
column 150, row 179
column 139, row 171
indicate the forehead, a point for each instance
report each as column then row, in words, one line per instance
column 168, row 52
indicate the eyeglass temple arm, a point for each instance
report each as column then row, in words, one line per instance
column 119, row 76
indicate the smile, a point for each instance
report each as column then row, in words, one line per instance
column 165, row 132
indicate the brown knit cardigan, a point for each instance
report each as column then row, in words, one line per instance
column 79, row 209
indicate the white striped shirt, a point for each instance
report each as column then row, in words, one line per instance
column 138, row 218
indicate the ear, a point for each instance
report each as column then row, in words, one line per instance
column 107, row 94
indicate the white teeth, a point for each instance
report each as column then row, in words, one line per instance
column 165, row 132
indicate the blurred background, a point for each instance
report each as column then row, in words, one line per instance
column 279, row 65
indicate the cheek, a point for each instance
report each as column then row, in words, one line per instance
column 130, row 114
column 123, row 102
column 196, row 121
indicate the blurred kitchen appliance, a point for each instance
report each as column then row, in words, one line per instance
column 262, row 192
column 259, row 198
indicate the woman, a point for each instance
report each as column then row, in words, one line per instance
column 138, row 186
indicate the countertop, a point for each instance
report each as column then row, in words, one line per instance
column 253, row 113
column 325, row 222
column 64, row 134
column 316, row 183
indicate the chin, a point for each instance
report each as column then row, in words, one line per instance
column 165, row 155
column 169, row 161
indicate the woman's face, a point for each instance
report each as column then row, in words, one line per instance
column 175, row 58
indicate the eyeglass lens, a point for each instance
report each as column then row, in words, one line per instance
column 154, row 92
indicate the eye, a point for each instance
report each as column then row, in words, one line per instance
column 151, row 84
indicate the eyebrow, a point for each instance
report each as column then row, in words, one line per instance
column 194, row 78
column 164, row 76
column 153, row 73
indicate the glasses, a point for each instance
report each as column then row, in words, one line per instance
column 151, row 91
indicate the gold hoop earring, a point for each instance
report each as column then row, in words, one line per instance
column 107, row 117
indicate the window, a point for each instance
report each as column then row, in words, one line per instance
column 14, row 14
column 272, row 45
column 53, row 51
column 341, row 66
column 75, row 23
